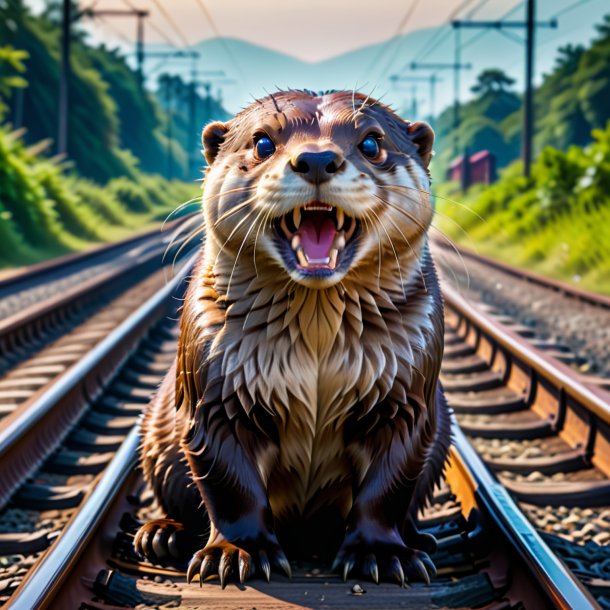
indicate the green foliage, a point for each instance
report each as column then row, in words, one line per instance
column 558, row 221
column 571, row 101
column 492, row 80
column 481, row 125
column 45, row 213
column 11, row 65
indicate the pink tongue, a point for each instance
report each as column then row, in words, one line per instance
column 317, row 240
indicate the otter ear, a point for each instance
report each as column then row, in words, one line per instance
column 212, row 137
column 422, row 134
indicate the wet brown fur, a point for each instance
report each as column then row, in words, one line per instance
column 305, row 416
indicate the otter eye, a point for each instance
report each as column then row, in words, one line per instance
column 264, row 146
column 370, row 146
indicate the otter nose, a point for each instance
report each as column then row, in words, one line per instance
column 317, row 166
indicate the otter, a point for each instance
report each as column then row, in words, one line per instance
column 303, row 415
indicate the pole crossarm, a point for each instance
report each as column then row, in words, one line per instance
column 499, row 25
column 415, row 79
column 178, row 53
column 91, row 12
column 440, row 66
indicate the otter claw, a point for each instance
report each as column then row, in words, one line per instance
column 397, row 571
column 192, row 569
column 244, row 568
column 372, row 569
column 429, row 565
column 420, row 568
column 347, row 568
column 224, row 569
column 265, row 566
column 207, row 568
column 282, row 562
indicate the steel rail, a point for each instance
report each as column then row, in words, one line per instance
column 599, row 300
column 30, row 315
column 48, row 575
column 559, row 375
column 73, row 389
column 26, row 274
column 565, row 591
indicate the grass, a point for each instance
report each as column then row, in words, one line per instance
column 46, row 211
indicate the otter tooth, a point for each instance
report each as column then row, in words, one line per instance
column 284, row 226
column 296, row 241
column 297, row 217
column 340, row 218
column 333, row 258
column 302, row 258
column 339, row 241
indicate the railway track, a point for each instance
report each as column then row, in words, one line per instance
column 41, row 341
column 570, row 324
column 541, row 428
column 523, row 523
column 53, row 454
column 23, row 288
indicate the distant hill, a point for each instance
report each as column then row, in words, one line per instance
column 371, row 65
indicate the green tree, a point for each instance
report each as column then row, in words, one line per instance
column 492, row 80
column 11, row 66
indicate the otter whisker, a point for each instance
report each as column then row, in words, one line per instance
column 258, row 216
column 184, row 244
column 367, row 223
column 233, row 210
column 436, row 195
column 220, row 251
column 180, row 207
column 239, row 189
column 260, row 225
column 406, row 241
column 392, row 246
column 181, row 233
column 442, row 234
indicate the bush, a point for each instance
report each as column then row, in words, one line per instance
column 44, row 212
column 558, row 221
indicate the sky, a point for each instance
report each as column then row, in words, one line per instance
column 312, row 30
column 317, row 30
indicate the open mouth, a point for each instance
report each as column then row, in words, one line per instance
column 318, row 235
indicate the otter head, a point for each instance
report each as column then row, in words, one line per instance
column 316, row 187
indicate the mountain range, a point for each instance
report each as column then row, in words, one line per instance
column 256, row 69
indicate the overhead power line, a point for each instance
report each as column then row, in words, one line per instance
column 223, row 42
column 161, row 33
column 172, row 22
column 390, row 41
column 109, row 26
column 567, row 9
column 441, row 31
column 482, row 33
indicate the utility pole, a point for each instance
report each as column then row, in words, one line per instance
column 528, row 100
column 169, row 135
column 456, row 66
column 530, row 26
column 431, row 80
column 194, row 56
column 140, row 15
column 456, row 96
column 64, row 79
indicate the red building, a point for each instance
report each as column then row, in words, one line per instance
column 480, row 167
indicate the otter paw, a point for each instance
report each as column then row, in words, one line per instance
column 223, row 558
column 164, row 539
column 393, row 562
